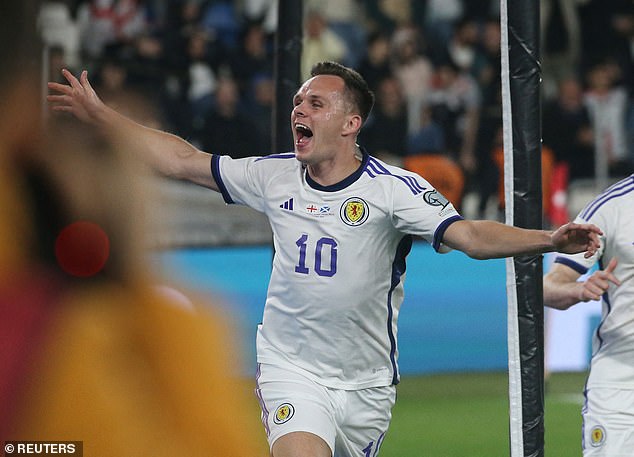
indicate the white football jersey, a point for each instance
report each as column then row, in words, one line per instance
column 612, row 363
column 337, row 279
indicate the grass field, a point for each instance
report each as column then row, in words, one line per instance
column 463, row 415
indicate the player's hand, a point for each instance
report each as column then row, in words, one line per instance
column 572, row 238
column 77, row 97
column 597, row 284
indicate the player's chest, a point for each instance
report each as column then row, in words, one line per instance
column 352, row 212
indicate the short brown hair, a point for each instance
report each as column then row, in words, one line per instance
column 356, row 87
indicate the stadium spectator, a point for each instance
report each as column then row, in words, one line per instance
column 390, row 15
column 59, row 29
column 259, row 104
column 561, row 41
column 104, row 22
column 429, row 138
column 486, row 66
column 609, row 398
column 486, row 71
column 462, row 46
column 455, row 103
column 413, row 70
column 386, row 132
column 375, row 64
column 606, row 34
column 607, row 101
column 320, row 42
column 440, row 17
column 111, row 76
column 220, row 20
column 343, row 223
column 91, row 349
column 253, row 56
column 226, row 129
column 56, row 62
column 346, row 19
column 261, row 10
column 567, row 130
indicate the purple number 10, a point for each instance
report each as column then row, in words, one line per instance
column 322, row 243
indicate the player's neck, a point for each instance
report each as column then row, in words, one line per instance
column 335, row 170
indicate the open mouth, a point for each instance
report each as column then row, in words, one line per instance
column 303, row 133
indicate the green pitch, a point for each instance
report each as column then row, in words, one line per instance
column 462, row 415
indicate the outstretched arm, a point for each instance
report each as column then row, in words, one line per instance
column 562, row 290
column 165, row 153
column 490, row 239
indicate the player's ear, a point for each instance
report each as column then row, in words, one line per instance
column 352, row 125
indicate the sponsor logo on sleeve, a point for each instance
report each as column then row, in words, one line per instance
column 435, row 198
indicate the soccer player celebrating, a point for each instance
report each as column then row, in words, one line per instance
column 343, row 223
column 609, row 391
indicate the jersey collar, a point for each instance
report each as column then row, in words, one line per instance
column 344, row 182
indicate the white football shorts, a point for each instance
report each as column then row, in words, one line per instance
column 352, row 422
column 608, row 423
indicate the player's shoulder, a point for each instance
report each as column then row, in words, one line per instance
column 281, row 160
column 268, row 165
column 612, row 200
column 395, row 177
column 275, row 158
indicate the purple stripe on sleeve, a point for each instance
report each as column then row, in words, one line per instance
column 215, row 172
column 572, row 264
column 622, row 187
column 286, row 155
column 440, row 231
column 588, row 214
column 378, row 169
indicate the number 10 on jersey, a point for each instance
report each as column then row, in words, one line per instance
column 323, row 247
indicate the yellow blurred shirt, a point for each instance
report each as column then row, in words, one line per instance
column 131, row 373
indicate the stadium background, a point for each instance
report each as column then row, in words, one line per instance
column 453, row 321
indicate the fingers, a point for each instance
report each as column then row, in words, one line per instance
column 600, row 281
column 71, row 79
column 596, row 286
column 64, row 108
column 612, row 265
column 609, row 276
column 594, row 243
column 83, row 79
column 589, row 228
column 58, row 98
column 592, row 291
column 63, row 88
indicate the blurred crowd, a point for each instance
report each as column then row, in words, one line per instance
column 205, row 71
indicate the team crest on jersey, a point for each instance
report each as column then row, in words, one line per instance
column 283, row 413
column 354, row 211
column 597, row 436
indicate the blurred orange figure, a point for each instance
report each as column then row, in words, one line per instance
column 105, row 358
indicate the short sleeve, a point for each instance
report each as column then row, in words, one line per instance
column 577, row 261
column 423, row 211
column 239, row 181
